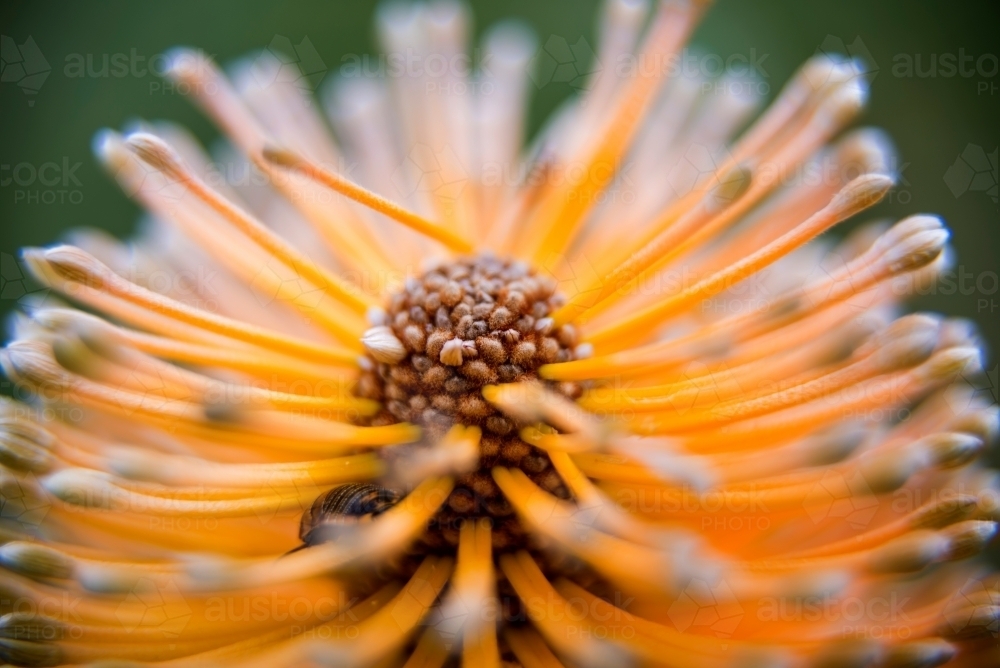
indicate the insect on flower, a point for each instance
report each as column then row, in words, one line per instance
column 426, row 413
column 344, row 505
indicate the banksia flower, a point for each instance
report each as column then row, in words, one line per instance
column 424, row 413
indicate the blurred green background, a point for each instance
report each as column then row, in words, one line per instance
column 934, row 119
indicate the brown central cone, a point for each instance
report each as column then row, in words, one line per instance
column 466, row 324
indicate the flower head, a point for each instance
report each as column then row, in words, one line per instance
column 383, row 403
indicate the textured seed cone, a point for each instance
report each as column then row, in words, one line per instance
column 620, row 409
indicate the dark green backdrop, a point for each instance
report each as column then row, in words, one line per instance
column 934, row 118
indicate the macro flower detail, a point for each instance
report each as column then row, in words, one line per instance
column 383, row 404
